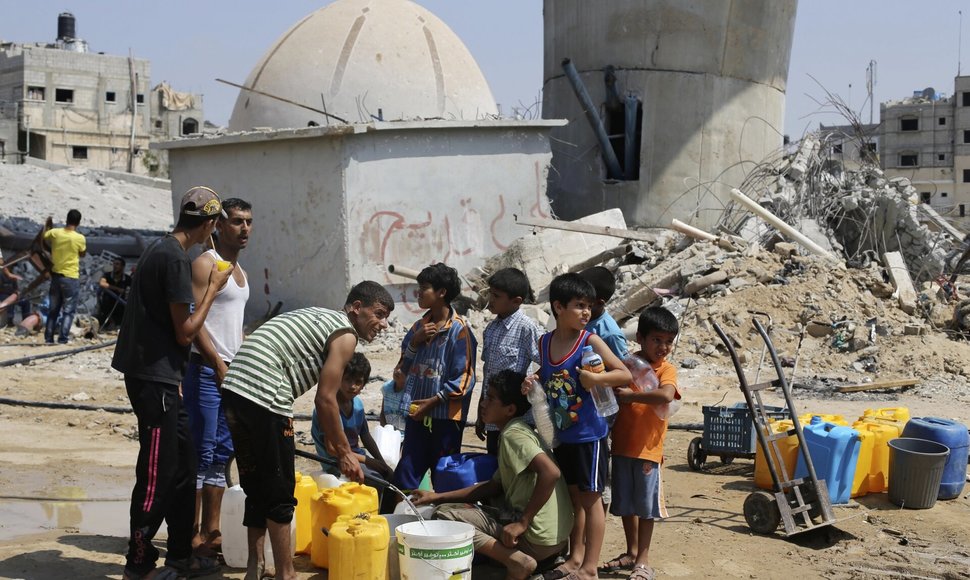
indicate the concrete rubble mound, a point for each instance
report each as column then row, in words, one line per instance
column 870, row 304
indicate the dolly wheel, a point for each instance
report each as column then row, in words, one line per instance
column 727, row 459
column 696, row 457
column 761, row 512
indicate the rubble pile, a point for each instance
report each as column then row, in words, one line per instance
column 860, row 213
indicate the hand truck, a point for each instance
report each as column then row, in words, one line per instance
column 800, row 504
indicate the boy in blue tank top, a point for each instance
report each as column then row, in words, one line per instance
column 582, row 453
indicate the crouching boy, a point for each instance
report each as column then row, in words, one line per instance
column 535, row 523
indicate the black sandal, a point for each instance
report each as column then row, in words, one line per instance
column 617, row 564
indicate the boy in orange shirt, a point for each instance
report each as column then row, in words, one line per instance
column 638, row 436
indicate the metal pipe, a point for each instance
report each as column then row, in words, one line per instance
column 613, row 169
column 67, row 352
column 756, row 208
column 403, row 272
column 630, row 136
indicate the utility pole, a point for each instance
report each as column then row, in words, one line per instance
column 870, row 83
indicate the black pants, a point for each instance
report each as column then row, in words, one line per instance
column 164, row 475
column 265, row 454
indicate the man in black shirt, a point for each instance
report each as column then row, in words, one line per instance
column 114, row 291
column 152, row 350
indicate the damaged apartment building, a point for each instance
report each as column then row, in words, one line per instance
column 924, row 138
column 63, row 104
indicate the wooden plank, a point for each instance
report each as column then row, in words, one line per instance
column 586, row 229
column 879, row 385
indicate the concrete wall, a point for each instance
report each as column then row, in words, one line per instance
column 333, row 206
column 711, row 76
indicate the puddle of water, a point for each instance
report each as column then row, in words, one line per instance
column 26, row 517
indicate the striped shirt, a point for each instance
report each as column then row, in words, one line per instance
column 284, row 357
column 509, row 343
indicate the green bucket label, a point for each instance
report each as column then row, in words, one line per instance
column 445, row 554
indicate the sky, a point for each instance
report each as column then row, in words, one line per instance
column 191, row 43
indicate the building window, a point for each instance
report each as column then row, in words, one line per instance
column 966, row 102
column 615, row 119
column 925, row 196
column 79, row 152
column 837, row 148
column 963, row 210
column 942, row 121
column 909, row 124
column 966, row 176
column 110, row 97
column 190, row 126
column 158, row 124
column 966, row 136
column 36, row 94
column 943, row 194
column 871, row 147
column 908, row 160
column 64, row 95
column 941, row 157
column 140, row 98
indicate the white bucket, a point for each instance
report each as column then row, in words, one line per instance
column 435, row 549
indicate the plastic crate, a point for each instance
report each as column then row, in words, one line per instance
column 731, row 429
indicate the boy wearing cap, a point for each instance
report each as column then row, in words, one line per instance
column 152, row 349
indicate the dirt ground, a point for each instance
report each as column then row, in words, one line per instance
column 66, row 474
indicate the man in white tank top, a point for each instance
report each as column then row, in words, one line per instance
column 212, row 352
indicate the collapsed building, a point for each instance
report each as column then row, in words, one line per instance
column 61, row 103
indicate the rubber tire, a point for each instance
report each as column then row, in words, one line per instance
column 696, row 457
column 761, row 512
column 727, row 459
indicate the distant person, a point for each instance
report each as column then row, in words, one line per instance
column 354, row 423
column 438, row 364
column 510, row 342
column 114, row 293
column 535, row 525
column 638, row 444
column 212, row 351
column 10, row 292
column 67, row 248
column 152, row 350
column 602, row 323
column 582, row 453
column 283, row 359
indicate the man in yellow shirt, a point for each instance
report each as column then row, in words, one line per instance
column 67, row 247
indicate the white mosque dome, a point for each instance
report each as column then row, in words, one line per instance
column 363, row 59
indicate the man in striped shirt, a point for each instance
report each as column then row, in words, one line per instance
column 283, row 359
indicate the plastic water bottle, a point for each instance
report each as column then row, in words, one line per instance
column 540, row 413
column 603, row 397
column 645, row 379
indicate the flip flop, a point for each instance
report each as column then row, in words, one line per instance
column 195, row 566
column 555, row 574
column 617, row 564
column 641, row 572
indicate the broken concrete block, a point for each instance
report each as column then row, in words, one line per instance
column 818, row 329
column 698, row 284
column 913, row 329
column 899, row 274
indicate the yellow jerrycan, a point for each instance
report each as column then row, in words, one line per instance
column 358, row 547
column 305, row 488
column 327, row 505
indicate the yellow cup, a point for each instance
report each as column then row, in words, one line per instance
column 223, row 265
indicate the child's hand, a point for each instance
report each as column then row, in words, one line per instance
column 528, row 382
column 419, row 409
column 511, row 533
column 586, row 378
column 421, row 497
column 424, row 333
column 624, row 394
